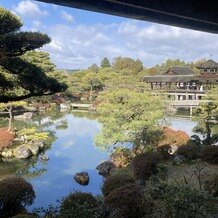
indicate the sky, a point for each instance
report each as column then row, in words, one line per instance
column 81, row 38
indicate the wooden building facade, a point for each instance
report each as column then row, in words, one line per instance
column 184, row 78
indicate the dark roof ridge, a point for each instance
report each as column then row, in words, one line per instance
column 180, row 70
column 207, row 64
column 181, row 66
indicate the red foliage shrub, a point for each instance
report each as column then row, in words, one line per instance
column 146, row 164
column 116, row 181
column 173, row 137
column 6, row 138
column 126, row 201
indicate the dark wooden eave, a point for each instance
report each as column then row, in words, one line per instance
column 193, row 14
column 213, row 79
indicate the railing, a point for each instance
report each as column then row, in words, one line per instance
column 187, row 103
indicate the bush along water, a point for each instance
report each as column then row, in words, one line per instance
column 15, row 194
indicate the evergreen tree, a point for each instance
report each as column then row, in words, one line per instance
column 127, row 65
column 94, row 68
column 19, row 77
column 105, row 63
column 127, row 116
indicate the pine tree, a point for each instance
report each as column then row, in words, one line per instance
column 105, row 63
column 20, row 78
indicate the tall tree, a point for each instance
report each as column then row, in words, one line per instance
column 91, row 82
column 209, row 111
column 127, row 65
column 126, row 115
column 94, row 68
column 105, row 63
column 19, row 77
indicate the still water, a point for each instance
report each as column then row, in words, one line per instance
column 72, row 151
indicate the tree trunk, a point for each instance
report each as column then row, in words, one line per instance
column 208, row 132
column 91, row 91
column 10, row 118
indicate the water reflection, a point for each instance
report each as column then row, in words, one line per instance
column 184, row 124
column 71, row 151
column 24, row 168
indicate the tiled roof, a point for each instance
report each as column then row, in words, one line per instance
column 208, row 64
column 177, row 70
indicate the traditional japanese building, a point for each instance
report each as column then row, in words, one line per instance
column 173, row 78
column 209, row 67
column 185, row 78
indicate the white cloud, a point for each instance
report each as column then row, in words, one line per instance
column 37, row 25
column 67, row 16
column 55, row 46
column 28, row 8
column 79, row 46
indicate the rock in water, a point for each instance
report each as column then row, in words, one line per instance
column 34, row 148
column 105, row 168
column 40, row 144
column 44, row 157
column 22, row 152
column 82, row 178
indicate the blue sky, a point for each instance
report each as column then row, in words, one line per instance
column 80, row 38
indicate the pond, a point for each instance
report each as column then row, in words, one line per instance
column 72, row 151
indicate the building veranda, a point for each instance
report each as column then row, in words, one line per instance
column 182, row 83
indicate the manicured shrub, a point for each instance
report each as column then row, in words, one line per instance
column 121, row 157
column 190, row 151
column 80, row 205
column 146, row 164
column 6, row 138
column 211, row 185
column 210, row 154
column 15, row 194
column 116, row 181
column 126, row 201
